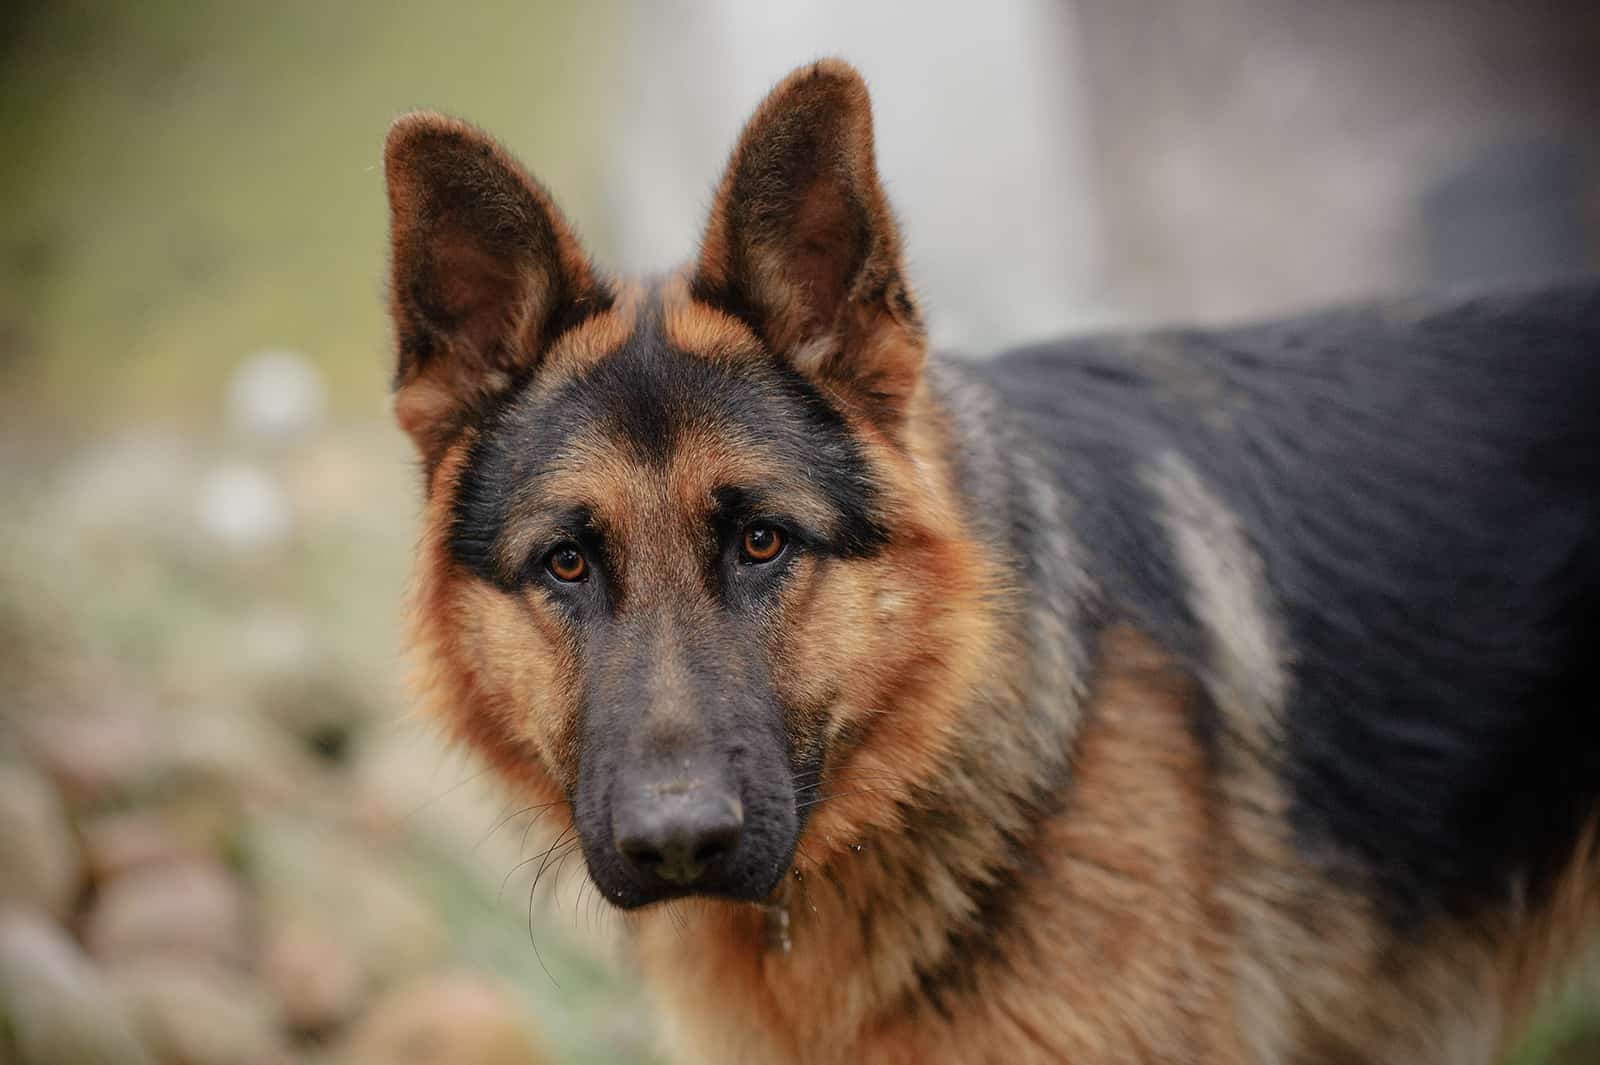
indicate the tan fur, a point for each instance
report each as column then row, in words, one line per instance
column 1134, row 953
column 580, row 348
column 1321, row 980
column 712, row 334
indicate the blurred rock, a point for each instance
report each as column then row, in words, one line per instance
column 186, row 908
column 113, row 752
column 455, row 792
column 313, row 877
column 330, row 478
column 197, row 1013
column 453, row 1019
column 131, row 483
column 230, row 751
column 276, row 397
column 116, row 843
column 276, row 645
column 95, row 754
column 322, row 713
column 315, row 977
column 57, row 1008
column 42, row 867
column 291, row 679
column 242, row 509
column 1579, row 1048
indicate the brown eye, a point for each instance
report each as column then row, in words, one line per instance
column 762, row 543
column 566, row 563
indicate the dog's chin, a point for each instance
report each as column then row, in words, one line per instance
column 633, row 897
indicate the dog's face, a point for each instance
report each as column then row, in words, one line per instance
column 687, row 548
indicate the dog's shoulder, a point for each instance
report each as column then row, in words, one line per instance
column 1381, row 522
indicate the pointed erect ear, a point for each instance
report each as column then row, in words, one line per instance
column 803, row 246
column 484, row 274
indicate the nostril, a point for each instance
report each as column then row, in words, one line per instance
column 679, row 845
column 640, row 853
column 714, row 843
column 709, row 851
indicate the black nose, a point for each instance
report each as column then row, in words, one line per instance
column 677, row 835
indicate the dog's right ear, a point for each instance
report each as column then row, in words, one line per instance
column 802, row 245
column 484, row 274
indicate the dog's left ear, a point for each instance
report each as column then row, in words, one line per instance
column 803, row 246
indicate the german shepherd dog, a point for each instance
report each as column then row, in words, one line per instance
column 1177, row 697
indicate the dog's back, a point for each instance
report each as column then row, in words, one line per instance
column 1422, row 484
column 1375, row 534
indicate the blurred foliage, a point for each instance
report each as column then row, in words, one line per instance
column 183, row 183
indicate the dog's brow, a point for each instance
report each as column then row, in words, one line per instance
column 789, row 501
column 539, row 523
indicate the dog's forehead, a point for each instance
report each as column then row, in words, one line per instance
column 644, row 420
column 640, row 315
column 682, row 385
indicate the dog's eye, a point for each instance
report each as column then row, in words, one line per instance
column 566, row 563
column 761, row 543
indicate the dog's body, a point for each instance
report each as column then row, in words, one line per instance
column 1184, row 697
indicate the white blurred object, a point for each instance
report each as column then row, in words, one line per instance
column 243, row 509
column 136, row 482
column 981, row 137
column 277, row 644
column 276, row 396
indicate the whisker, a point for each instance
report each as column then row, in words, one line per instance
column 560, row 841
column 457, row 786
column 529, row 861
column 499, row 895
column 533, row 890
column 555, row 888
column 846, row 794
column 537, row 807
column 533, row 821
column 851, row 777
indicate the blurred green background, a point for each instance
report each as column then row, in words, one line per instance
column 182, row 179
column 226, row 838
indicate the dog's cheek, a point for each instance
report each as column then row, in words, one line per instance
column 839, row 639
column 826, row 627
column 524, row 664
column 893, row 642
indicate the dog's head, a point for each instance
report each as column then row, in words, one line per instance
column 691, row 566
